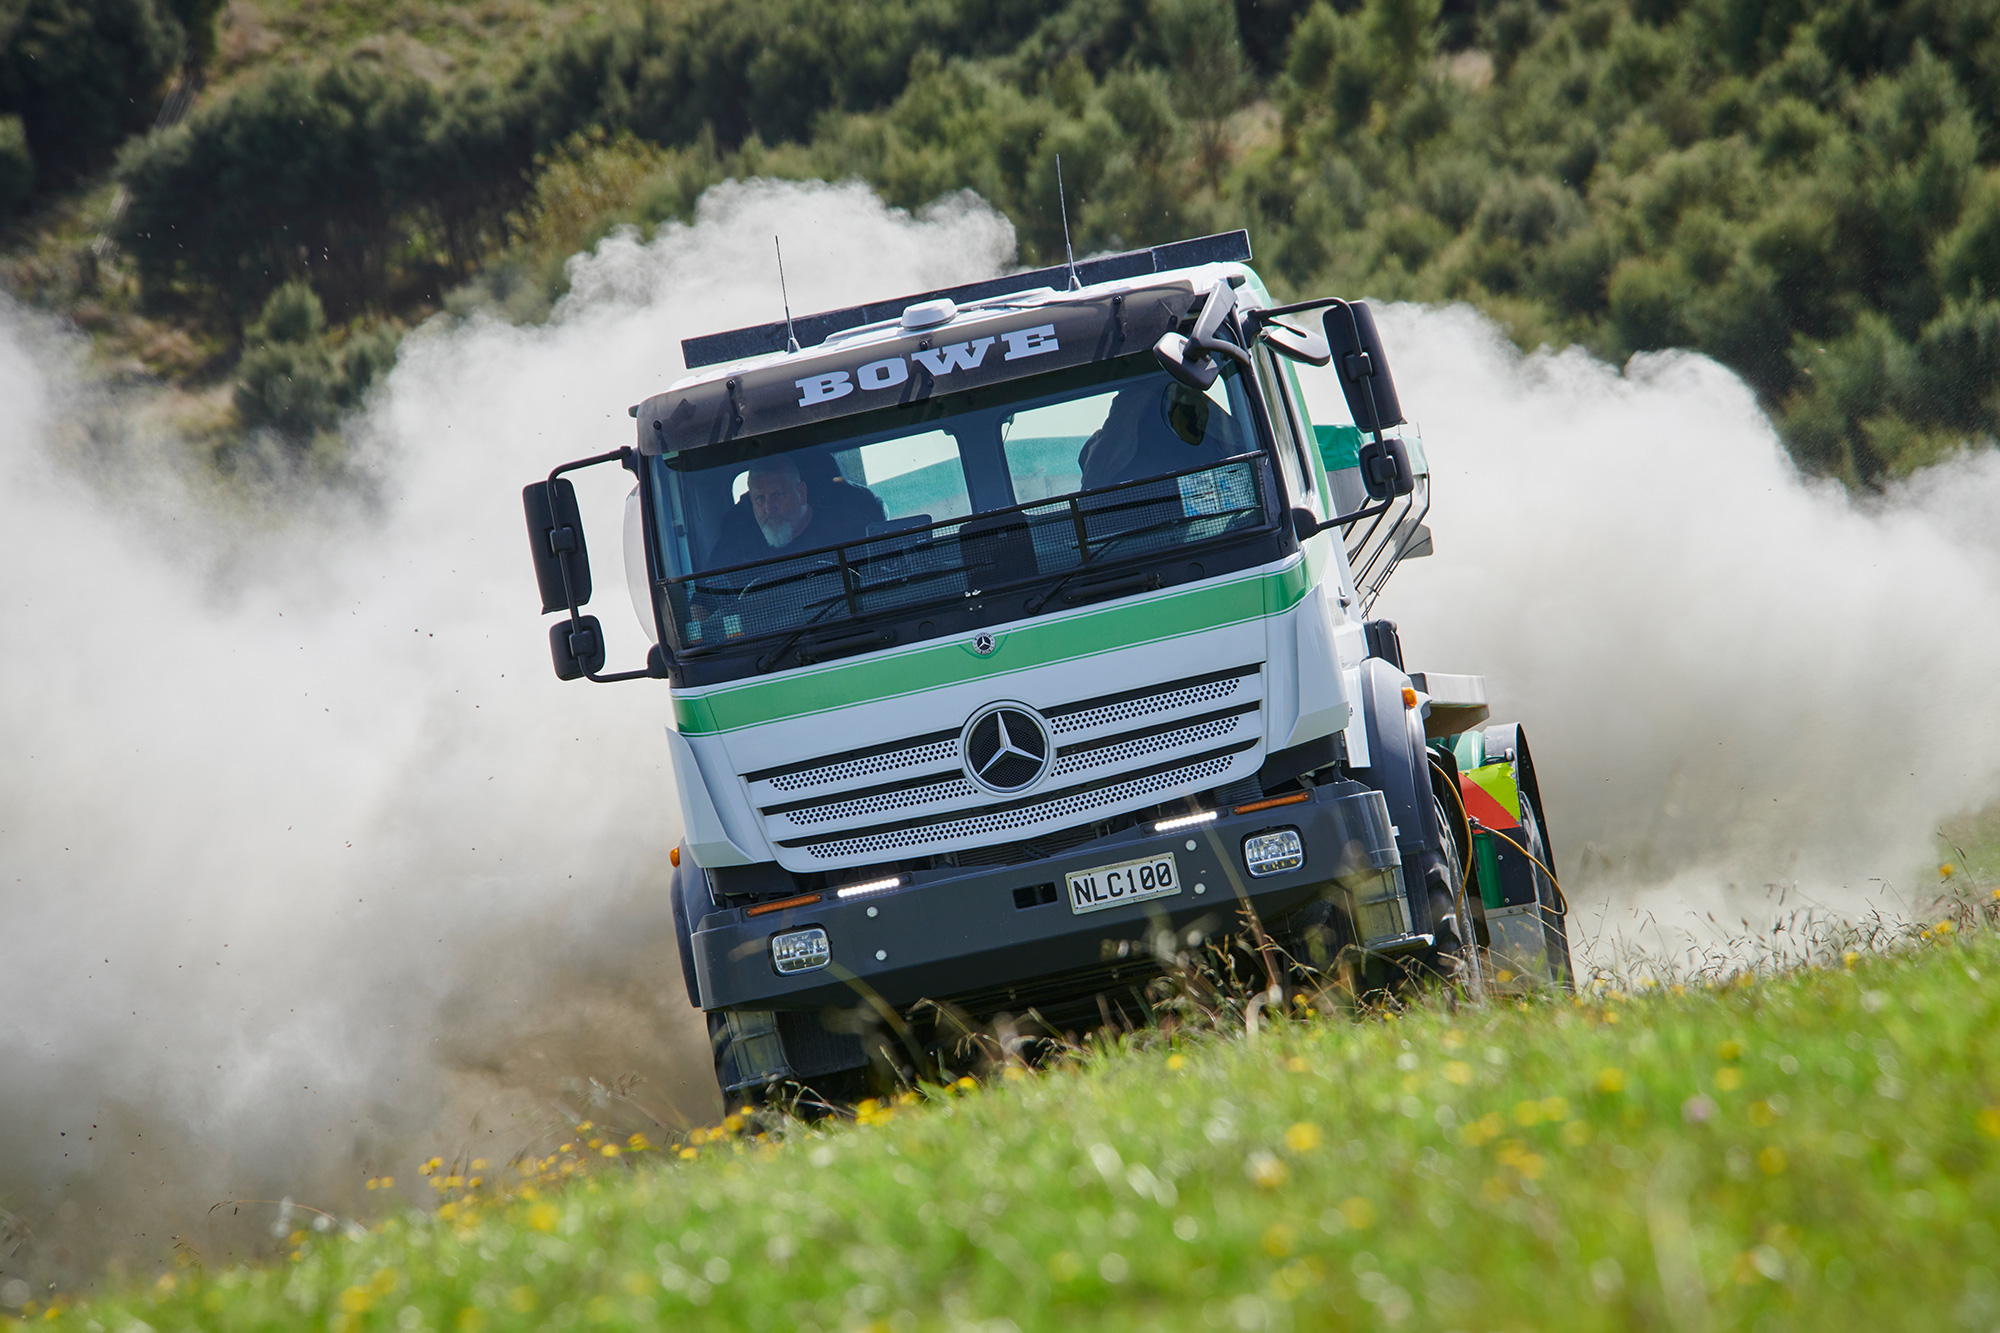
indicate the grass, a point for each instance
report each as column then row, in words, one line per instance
column 1810, row 1150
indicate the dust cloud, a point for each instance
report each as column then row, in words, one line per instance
column 1745, row 693
column 309, row 867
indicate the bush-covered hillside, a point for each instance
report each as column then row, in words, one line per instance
column 1806, row 190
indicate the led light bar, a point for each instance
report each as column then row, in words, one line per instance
column 870, row 886
column 1185, row 821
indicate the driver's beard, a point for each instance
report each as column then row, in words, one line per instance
column 778, row 532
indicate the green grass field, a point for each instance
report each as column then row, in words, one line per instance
column 1814, row 1150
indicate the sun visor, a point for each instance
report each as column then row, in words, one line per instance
column 975, row 350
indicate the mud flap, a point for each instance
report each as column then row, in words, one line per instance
column 1524, row 920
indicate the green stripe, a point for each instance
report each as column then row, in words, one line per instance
column 1167, row 616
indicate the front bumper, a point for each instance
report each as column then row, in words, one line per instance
column 948, row 932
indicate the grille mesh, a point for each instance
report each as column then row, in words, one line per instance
column 1125, row 752
column 1126, row 710
column 1061, row 807
column 874, row 765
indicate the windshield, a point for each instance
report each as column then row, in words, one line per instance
column 1030, row 482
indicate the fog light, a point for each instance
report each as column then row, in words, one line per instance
column 800, row 950
column 1383, row 919
column 1274, row 853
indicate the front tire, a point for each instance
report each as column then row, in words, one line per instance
column 1454, row 957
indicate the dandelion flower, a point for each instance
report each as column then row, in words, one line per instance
column 1177, row 1061
column 1303, row 1137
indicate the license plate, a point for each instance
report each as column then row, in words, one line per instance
column 1100, row 887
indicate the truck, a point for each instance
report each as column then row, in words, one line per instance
column 1018, row 635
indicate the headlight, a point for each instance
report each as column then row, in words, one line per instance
column 800, row 950
column 1274, row 853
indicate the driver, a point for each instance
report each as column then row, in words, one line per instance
column 782, row 509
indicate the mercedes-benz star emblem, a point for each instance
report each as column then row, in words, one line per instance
column 1006, row 748
column 982, row 643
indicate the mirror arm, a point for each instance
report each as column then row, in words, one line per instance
column 1224, row 346
column 1306, row 526
column 563, row 543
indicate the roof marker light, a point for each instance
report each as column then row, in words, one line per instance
column 870, row 886
column 1185, row 821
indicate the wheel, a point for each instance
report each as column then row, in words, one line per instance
column 1455, row 956
column 1554, row 923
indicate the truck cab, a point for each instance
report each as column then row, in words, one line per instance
column 1017, row 636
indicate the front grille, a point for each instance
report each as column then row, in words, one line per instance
column 1114, row 753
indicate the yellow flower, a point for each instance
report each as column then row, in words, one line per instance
column 1303, row 1137
column 356, row 1300
column 1527, row 1113
column 585, row 1127
column 966, row 1083
column 1947, row 870
column 1457, row 1071
column 1728, row 1078
column 687, row 1154
column 609, row 1150
column 1297, row 1064
column 1177, row 1061
column 1358, row 1213
column 1277, row 1240
column 430, row 1167
column 1850, row 958
column 638, row 1143
column 1481, row 1131
column 1732, row 1051
column 1946, row 927
column 1772, row 1160
column 1610, row 1081
column 544, row 1216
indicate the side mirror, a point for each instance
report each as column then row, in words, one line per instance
column 555, row 538
column 1385, row 468
column 578, row 649
column 1300, row 345
column 1196, row 369
column 1187, row 357
column 1364, row 368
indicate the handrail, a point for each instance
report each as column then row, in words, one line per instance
column 1072, row 497
column 912, row 539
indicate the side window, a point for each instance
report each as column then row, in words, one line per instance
column 914, row 475
column 1290, row 442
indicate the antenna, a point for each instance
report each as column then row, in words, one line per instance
column 1063, row 204
column 791, row 339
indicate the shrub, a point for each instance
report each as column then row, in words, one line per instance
column 82, row 75
column 17, row 167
